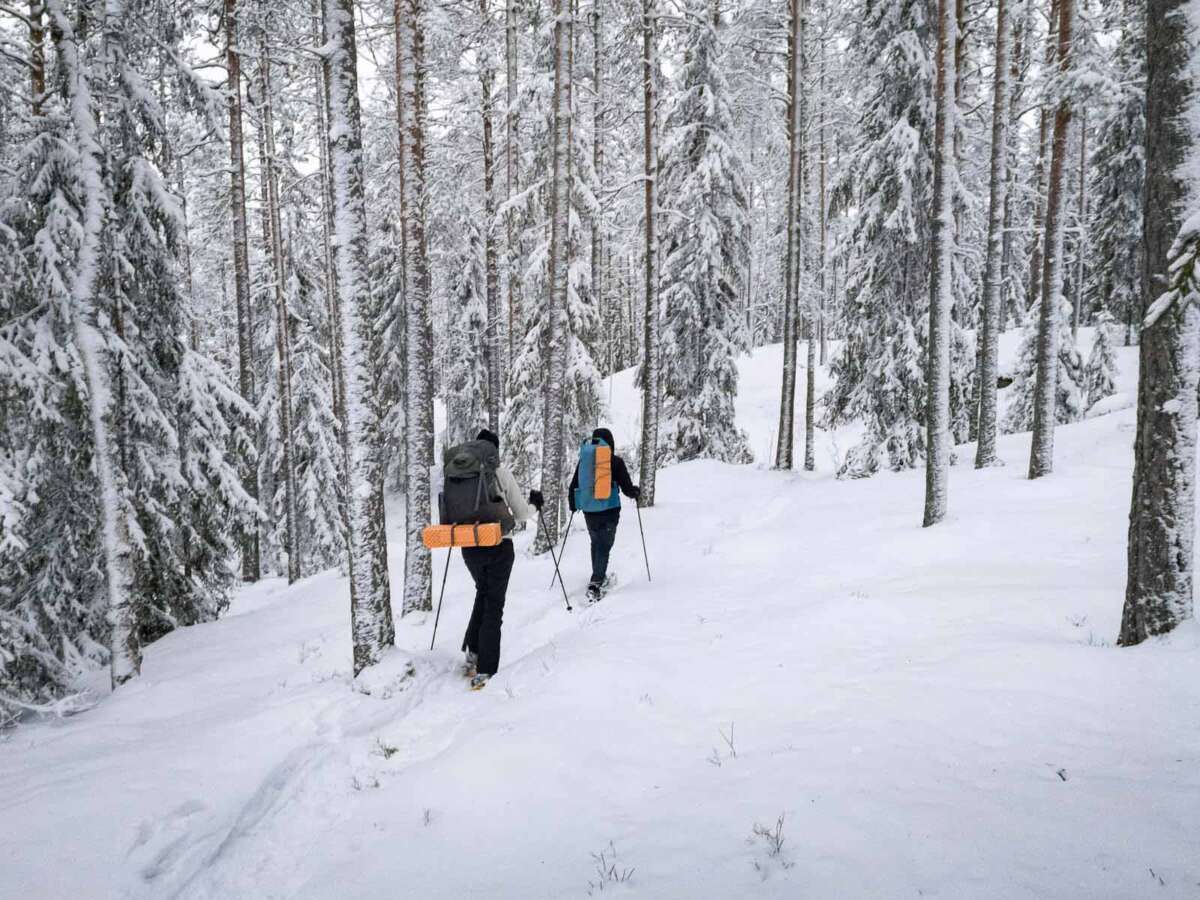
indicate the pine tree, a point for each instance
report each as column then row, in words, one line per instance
column 1158, row 591
column 704, row 269
column 1041, row 455
column 989, row 352
column 650, row 374
column 1119, row 161
column 370, row 602
column 467, row 374
column 1100, row 371
column 878, row 374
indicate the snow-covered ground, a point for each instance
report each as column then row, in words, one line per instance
column 931, row 712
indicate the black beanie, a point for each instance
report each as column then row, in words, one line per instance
column 605, row 435
column 489, row 436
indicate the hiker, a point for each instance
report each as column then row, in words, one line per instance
column 490, row 567
column 601, row 508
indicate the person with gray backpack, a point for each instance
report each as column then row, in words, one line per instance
column 477, row 489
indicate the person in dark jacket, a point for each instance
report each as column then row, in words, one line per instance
column 602, row 526
column 490, row 568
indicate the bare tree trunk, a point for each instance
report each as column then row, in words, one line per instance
column 331, row 296
column 273, row 239
column 598, row 165
column 1158, row 588
column 787, row 401
column 1081, row 240
column 989, row 352
column 512, row 174
column 1041, row 456
column 495, row 327
column 371, row 623
column 114, row 523
column 650, row 349
column 1036, row 261
column 558, row 325
column 822, row 189
column 941, row 286
column 37, row 55
column 418, row 576
column 241, row 263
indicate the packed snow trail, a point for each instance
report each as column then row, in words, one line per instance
column 933, row 712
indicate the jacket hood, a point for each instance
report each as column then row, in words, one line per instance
column 605, row 435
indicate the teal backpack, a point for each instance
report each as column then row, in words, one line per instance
column 596, row 491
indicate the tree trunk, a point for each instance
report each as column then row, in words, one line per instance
column 787, row 401
column 941, row 284
column 333, row 307
column 1036, row 261
column 822, row 190
column 512, row 175
column 370, row 596
column 418, row 576
column 273, row 241
column 559, row 324
column 126, row 657
column 650, row 338
column 37, row 55
column 989, row 352
column 241, row 264
column 495, row 327
column 1081, row 239
column 1041, row 456
column 1158, row 588
column 598, row 165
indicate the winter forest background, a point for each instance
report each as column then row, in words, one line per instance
column 247, row 247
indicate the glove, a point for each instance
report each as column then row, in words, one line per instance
column 536, row 500
column 635, row 492
column 571, row 501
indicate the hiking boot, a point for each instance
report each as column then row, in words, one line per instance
column 480, row 681
column 594, row 591
column 471, row 665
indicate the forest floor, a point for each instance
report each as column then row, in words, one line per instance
column 937, row 713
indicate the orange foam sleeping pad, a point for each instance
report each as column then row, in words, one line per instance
column 602, row 484
column 440, row 536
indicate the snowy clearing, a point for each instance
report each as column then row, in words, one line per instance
column 927, row 712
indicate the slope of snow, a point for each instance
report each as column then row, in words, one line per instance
column 932, row 712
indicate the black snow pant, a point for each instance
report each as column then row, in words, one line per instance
column 602, row 529
column 490, row 567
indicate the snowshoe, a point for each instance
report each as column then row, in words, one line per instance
column 479, row 682
column 594, row 592
column 470, row 665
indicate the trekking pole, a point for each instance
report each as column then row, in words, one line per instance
column 449, row 553
column 546, row 531
column 638, row 505
column 563, row 548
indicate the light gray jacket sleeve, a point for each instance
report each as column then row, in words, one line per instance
column 521, row 510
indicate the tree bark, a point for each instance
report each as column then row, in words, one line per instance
column 993, row 278
column 1041, row 456
column 1036, row 262
column 371, row 623
column 37, row 55
column 1081, row 240
column 512, row 175
column 251, row 566
column 1158, row 588
column 495, row 325
column 418, row 576
column 559, row 324
column 941, row 287
column 787, row 400
column 273, row 239
column 650, row 339
column 598, row 166
column 333, row 307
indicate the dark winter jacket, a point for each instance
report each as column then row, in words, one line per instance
column 620, row 476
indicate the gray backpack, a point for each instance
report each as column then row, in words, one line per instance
column 470, row 489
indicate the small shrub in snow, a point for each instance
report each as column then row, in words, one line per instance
column 607, row 871
column 1100, row 372
column 771, row 840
